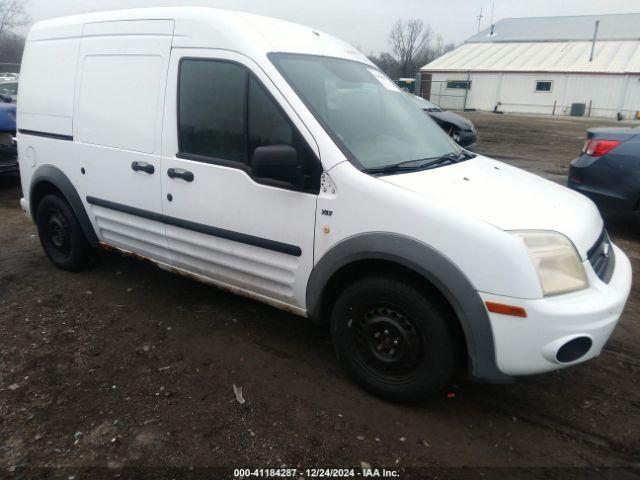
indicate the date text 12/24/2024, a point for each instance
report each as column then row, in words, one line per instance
column 327, row 473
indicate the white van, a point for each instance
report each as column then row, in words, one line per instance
column 277, row 162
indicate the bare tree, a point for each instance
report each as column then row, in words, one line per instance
column 441, row 48
column 448, row 47
column 11, row 48
column 410, row 40
column 13, row 15
column 411, row 44
column 387, row 63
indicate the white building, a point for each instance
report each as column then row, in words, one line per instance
column 544, row 65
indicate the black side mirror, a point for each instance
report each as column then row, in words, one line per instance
column 6, row 98
column 277, row 162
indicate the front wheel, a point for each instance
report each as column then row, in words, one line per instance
column 393, row 339
column 60, row 234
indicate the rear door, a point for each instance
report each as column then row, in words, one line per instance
column 122, row 75
column 253, row 235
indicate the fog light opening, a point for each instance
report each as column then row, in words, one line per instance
column 574, row 350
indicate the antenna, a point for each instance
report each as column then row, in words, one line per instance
column 480, row 17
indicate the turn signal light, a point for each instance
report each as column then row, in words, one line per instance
column 506, row 309
column 597, row 148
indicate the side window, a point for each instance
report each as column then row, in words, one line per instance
column 225, row 114
column 212, row 110
column 268, row 125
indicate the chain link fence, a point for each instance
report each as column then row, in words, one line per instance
column 449, row 94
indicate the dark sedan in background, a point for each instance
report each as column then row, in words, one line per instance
column 608, row 171
column 459, row 128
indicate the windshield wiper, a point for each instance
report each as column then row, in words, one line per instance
column 389, row 169
column 450, row 158
column 416, row 165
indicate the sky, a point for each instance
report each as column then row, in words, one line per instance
column 364, row 23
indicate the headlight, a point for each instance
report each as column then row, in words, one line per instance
column 556, row 261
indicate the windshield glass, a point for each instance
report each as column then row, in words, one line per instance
column 372, row 120
column 424, row 103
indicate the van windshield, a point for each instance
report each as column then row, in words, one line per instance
column 372, row 120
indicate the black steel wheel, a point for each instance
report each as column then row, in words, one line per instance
column 393, row 339
column 60, row 234
column 388, row 343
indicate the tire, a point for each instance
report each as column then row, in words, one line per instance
column 366, row 321
column 60, row 234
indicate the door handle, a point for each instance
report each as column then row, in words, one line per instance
column 143, row 167
column 181, row 174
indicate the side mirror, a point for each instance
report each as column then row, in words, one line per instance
column 277, row 162
column 6, row 98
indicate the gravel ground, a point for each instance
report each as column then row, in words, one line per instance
column 127, row 367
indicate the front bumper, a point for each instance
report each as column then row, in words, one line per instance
column 530, row 345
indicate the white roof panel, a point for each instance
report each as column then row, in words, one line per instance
column 205, row 27
column 614, row 57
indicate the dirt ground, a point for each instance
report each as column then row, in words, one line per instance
column 125, row 366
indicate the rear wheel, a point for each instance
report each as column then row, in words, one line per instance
column 60, row 234
column 393, row 339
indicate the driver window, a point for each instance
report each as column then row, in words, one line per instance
column 269, row 125
column 225, row 114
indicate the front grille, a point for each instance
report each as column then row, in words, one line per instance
column 602, row 257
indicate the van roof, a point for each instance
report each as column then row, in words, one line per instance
column 203, row 27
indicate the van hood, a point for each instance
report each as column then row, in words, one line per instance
column 508, row 198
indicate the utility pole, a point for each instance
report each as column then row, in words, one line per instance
column 493, row 8
column 480, row 17
column 593, row 43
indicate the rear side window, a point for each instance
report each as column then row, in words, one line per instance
column 213, row 110
column 225, row 114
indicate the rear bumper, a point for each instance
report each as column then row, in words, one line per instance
column 604, row 197
column 594, row 178
column 8, row 163
column 8, row 167
column 533, row 345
